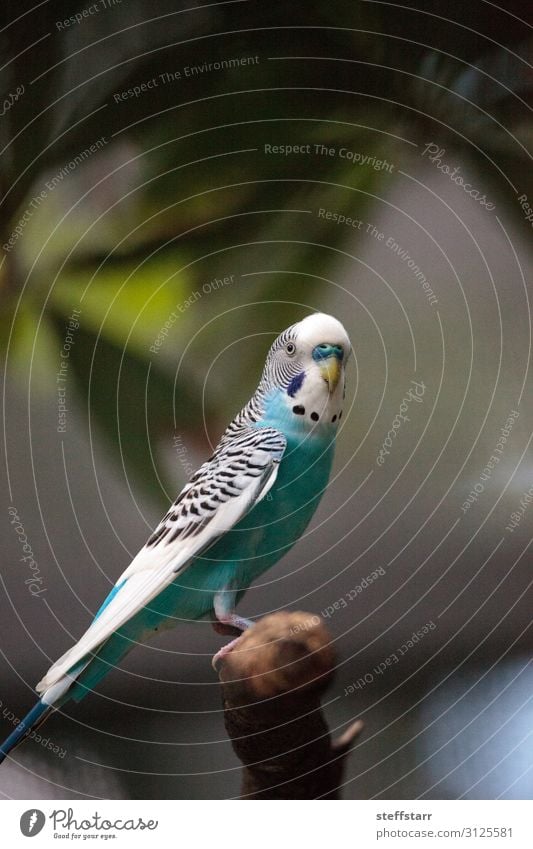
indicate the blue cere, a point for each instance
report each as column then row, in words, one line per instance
column 322, row 352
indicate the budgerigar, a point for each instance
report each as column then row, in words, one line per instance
column 222, row 532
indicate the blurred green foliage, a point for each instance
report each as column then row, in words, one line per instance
column 163, row 207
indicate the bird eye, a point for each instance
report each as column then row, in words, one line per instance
column 291, row 349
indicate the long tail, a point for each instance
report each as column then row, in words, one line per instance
column 75, row 684
column 55, row 692
column 80, row 679
column 53, row 698
column 31, row 722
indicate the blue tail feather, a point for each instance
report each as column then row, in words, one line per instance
column 31, row 721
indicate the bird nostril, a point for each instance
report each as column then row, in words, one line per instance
column 325, row 350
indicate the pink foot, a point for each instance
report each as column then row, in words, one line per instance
column 223, row 652
column 227, row 621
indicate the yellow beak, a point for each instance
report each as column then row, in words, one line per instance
column 330, row 370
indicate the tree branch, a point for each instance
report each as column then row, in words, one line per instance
column 272, row 684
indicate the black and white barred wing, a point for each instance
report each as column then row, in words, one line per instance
column 238, row 475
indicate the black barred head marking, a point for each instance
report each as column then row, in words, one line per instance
column 290, row 364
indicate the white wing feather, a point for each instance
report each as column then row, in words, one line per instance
column 156, row 566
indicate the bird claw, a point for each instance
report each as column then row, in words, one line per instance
column 226, row 630
column 221, row 653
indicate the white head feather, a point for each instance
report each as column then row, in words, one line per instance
column 315, row 376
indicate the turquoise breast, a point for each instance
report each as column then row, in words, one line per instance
column 274, row 525
column 258, row 541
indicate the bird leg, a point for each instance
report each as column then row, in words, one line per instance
column 227, row 621
column 225, row 630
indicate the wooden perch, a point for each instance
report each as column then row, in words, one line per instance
column 272, row 683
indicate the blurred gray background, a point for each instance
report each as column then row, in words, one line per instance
column 133, row 234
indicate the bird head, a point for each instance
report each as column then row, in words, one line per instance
column 308, row 362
